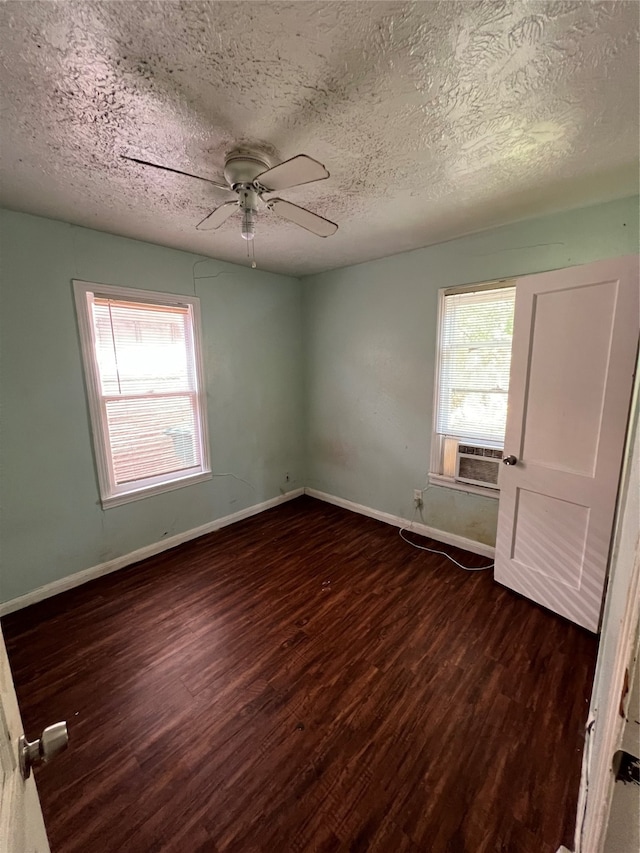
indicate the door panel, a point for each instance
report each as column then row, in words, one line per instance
column 576, row 391
column 574, row 352
column 560, row 556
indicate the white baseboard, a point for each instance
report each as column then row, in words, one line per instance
column 90, row 574
column 397, row 521
column 79, row 578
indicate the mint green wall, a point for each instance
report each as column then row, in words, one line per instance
column 52, row 521
column 370, row 334
column 329, row 381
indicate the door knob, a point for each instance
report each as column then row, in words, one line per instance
column 510, row 460
column 53, row 741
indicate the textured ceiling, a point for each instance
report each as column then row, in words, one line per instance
column 434, row 118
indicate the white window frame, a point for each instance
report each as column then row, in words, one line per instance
column 436, row 465
column 112, row 494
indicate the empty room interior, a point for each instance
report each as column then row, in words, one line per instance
column 319, row 454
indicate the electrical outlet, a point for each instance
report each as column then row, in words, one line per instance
column 417, row 497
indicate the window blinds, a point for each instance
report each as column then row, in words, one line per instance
column 146, row 365
column 475, row 358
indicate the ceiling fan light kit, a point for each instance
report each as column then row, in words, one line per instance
column 251, row 176
column 248, row 223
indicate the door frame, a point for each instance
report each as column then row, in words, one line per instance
column 621, row 612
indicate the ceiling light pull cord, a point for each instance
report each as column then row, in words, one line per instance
column 404, row 530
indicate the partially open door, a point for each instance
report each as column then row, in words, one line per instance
column 21, row 825
column 575, row 343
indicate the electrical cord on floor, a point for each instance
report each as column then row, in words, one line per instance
column 443, row 554
column 434, row 551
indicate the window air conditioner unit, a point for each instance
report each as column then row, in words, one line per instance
column 478, row 465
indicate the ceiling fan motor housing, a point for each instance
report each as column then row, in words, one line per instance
column 242, row 167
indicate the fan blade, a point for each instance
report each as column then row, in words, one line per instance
column 303, row 217
column 177, row 172
column 299, row 170
column 218, row 216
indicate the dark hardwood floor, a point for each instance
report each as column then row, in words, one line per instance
column 304, row 681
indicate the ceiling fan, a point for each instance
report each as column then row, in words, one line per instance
column 250, row 176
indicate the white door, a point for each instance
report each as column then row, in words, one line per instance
column 575, row 341
column 21, row 825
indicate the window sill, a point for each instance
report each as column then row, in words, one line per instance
column 448, row 483
column 149, row 491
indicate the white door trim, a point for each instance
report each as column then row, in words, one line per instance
column 621, row 614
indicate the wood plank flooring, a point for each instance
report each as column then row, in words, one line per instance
column 304, row 681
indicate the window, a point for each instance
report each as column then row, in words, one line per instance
column 144, row 381
column 472, row 379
